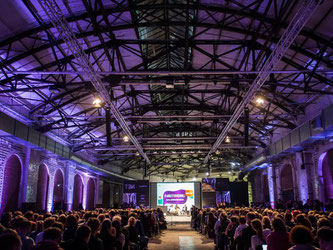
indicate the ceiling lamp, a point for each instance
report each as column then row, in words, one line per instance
column 260, row 101
column 227, row 139
column 125, row 138
column 97, row 102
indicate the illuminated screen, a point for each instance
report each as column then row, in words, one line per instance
column 175, row 195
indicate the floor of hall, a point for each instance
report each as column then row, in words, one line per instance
column 180, row 236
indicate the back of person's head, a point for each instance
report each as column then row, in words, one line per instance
column 116, row 218
column 71, row 221
column 25, row 226
column 29, row 215
column 325, row 234
column 52, row 233
column 325, row 238
column 131, row 221
column 257, row 226
column 242, row 220
column 288, row 216
column 266, row 222
column 323, row 222
column 10, row 240
column 116, row 224
column 106, row 227
column 83, row 233
column 16, row 222
column 101, row 217
column 302, row 220
column 250, row 216
column 94, row 224
column 48, row 222
column 279, row 225
column 301, row 235
column 58, row 225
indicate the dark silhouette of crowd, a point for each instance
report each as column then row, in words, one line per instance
column 260, row 228
column 99, row 229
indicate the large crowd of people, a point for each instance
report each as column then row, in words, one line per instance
column 261, row 227
column 100, row 229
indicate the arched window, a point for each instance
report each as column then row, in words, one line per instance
column 90, row 194
column 77, row 192
column 287, row 183
column 42, row 188
column 58, row 190
column 11, row 184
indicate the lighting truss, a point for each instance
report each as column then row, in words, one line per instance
column 266, row 67
column 58, row 20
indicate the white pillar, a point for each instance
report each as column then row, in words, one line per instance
column 69, row 184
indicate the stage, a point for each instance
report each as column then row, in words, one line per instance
column 178, row 219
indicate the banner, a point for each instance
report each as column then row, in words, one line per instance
column 177, row 197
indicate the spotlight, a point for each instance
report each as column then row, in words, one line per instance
column 260, row 101
column 207, row 173
column 227, row 139
column 97, row 102
column 217, row 152
column 125, row 138
column 137, row 154
column 194, row 179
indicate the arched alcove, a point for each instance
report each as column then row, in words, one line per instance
column 77, row 192
column 287, row 183
column 58, row 190
column 42, row 188
column 327, row 175
column 11, row 184
column 90, row 194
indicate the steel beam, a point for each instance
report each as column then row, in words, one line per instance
column 165, row 73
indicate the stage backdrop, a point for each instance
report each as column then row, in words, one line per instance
column 176, row 194
column 153, row 194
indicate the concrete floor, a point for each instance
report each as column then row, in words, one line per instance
column 180, row 236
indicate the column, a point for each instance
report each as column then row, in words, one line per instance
column 69, row 184
column 50, row 190
column 100, row 192
column 301, row 179
column 25, row 173
column 85, row 190
column 271, row 184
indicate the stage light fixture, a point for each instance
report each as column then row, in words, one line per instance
column 97, row 102
column 125, row 138
column 207, row 173
column 137, row 154
column 227, row 139
column 260, row 101
column 217, row 152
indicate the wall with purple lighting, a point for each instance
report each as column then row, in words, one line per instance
column 37, row 179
